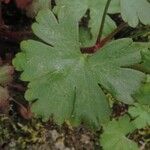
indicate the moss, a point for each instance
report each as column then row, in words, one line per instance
column 17, row 135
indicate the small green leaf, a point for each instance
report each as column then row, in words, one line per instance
column 135, row 11
column 114, row 136
column 146, row 60
column 143, row 94
column 132, row 11
column 141, row 113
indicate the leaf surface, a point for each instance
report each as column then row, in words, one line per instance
column 96, row 10
column 146, row 60
column 135, row 11
column 114, row 136
column 63, row 82
column 141, row 113
column 143, row 94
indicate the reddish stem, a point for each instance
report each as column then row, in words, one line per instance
column 100, row 43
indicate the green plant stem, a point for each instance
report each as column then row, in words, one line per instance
column 103, row 20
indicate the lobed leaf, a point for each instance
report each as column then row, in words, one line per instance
column 146, row 60
column 64, row 83
column 114, row 136
column 141, row 113
column 135, row 11
column 96, row 10
column 143, row 94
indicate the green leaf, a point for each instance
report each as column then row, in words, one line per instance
column 141, row 113
column 143, row 94
column 64, row 82
column 132, row 11
column 135, row 11
column 96, row 9
column 114, row 7
column 146, row 60
column 114, row 136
